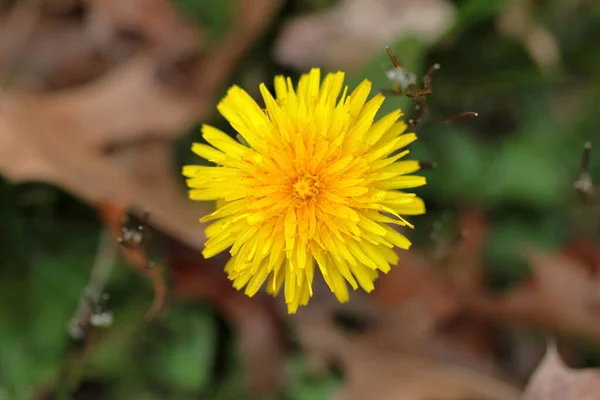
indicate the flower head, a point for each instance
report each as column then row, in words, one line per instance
column 313, row 185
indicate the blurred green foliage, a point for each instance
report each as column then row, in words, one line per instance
column 518, row 160
column 215, row 17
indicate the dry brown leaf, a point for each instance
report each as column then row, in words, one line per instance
column 585, row 251
column 54, row 55
column 420, row 276
column 154, row 20
column 57, row 156
column 518, row 21
column 422, row 312
column 553, row 380
column 435, row 282
column 17, row 25
column 562, row 296
column 348, row 35
column 378, row 366
column 60, row 137
column 415, row 280
column 465, row 264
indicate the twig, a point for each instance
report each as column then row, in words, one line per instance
column 105, row 259
column 587, row 211
column 584, row 184
column 132, row 239
column 83, row 318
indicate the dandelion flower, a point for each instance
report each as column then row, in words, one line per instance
column 313, row 182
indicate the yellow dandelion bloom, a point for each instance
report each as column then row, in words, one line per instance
column 314, row 184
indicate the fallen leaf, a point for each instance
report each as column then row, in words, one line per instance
column 434, row 283
column 349, row 34
column 416, row 278
column 465, row 265
column 553, row 380
column 584, row 250
column 562, row 296
column 519, row 21
column 51, row 55
column 61, row 136
column 376, row 365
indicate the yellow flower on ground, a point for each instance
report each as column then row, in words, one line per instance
column 314, row 184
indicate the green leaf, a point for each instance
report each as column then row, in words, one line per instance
column 474, row 11
column 460, row 159
column 303, row 386
column 506, row 239
column 525, row 172
column 214, row 17
column 184, row 361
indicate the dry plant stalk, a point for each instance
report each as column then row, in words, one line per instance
column 131, row 240
column 105, row 258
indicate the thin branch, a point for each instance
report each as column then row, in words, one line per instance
column 132, row 238
column 105, row 259
column 79, row 325
column 584, row 184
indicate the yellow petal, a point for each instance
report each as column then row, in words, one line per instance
column 223, row 142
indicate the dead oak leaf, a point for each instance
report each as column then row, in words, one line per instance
column 562, row 295
column 553, row 380
column 349, row 34
column 61, row 136
column 381, row 361
column 415, row 278
column 519, row 21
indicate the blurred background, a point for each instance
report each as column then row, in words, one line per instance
column 100, row 102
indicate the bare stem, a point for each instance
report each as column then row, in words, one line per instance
column 584, row 184
column 101, row 269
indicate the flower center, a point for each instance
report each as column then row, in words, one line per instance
column 306, row 187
